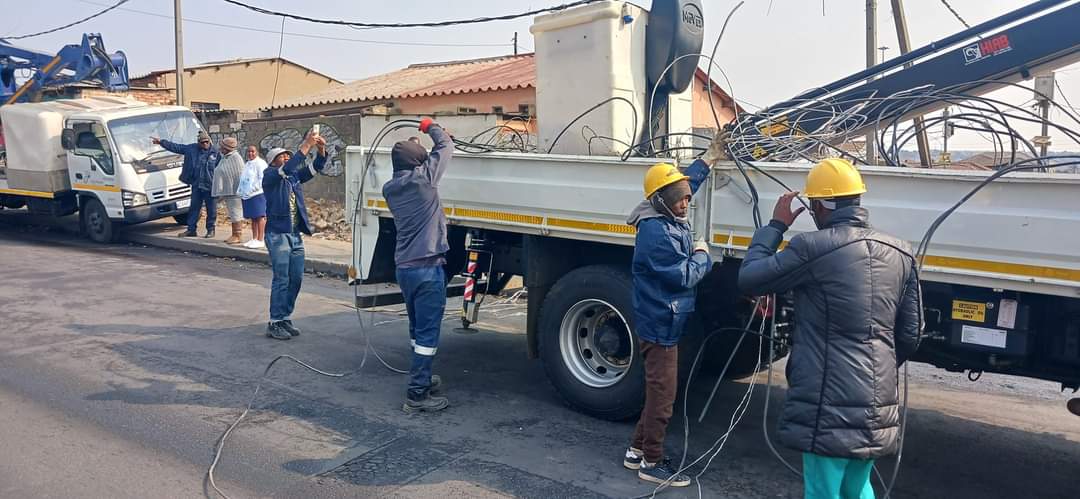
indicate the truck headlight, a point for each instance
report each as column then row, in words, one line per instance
column 132, row 199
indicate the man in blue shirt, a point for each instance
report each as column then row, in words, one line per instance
column 287, row 219
column 200, row 160
column 413, row 197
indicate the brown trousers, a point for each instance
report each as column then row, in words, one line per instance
column 661, row 386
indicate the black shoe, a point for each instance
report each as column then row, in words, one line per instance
column 275, row 331
column 632, row 459
column 426, row 404
column 288, row 327
column 209, row 233
column 436, row 384
column 187, row 233
column 662, row 473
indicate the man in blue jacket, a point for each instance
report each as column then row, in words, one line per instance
column 413, row 197
column 200, row 160
column 286, row 220
column 667, row 265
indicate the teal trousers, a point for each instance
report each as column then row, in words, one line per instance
column 836, row 478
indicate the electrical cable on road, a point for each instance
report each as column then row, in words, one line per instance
column 433, row 24
column 68, row 25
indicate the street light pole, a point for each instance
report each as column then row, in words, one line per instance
column 871, row 61
column 179, row 21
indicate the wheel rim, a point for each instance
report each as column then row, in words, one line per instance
column 96, row 225
column 596, row 343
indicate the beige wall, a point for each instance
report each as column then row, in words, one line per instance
column 248, row 86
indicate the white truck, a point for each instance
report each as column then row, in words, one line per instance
column 94, row 156
column 1001, row 284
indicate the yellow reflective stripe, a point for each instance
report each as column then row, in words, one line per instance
column 498, row 215
column 104, row 188
column 741, row 242
column 593, row 226
column 33, row 194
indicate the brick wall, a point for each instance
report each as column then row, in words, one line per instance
column 155, row 96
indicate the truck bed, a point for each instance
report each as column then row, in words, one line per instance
column 1022, row 232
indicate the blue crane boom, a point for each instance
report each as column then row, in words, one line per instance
column 85, row 62
column 1039, row 37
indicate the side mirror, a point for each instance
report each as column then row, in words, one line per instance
column 67, row 139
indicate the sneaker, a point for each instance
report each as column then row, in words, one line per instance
column 209, row 233
column 662, row 473
column 632, row 459
column 426, row 404
column 288, row 327
column 187, row 233
column 256, row 244
column 436, row 384
column 275, row 331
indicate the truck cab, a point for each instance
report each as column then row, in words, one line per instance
column 94, row 156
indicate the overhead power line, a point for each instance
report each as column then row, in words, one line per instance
column 66, row 26
column 955, row 13
column 306, row 35
column 435, row 24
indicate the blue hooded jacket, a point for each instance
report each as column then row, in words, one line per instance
column 277, row 187
column 199, row 163
column 666, row 269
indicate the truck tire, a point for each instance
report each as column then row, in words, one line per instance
column 587, row 343
column 95, row 222
column 180, row 219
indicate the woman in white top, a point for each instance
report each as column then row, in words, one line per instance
column 250, row 191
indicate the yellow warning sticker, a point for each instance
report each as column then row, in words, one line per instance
column 968, row 311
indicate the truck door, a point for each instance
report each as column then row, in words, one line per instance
column 92, row 166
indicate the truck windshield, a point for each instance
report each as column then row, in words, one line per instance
column 132, row 135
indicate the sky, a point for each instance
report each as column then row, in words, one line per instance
column 772, row 50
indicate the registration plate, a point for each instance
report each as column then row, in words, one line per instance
column 183, row 203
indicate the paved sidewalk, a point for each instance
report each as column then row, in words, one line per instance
column 329, row 257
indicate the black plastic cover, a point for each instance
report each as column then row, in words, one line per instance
column 676, row 28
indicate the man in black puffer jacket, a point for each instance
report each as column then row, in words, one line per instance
column 857, row 308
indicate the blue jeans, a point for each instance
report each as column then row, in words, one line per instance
column 836, row 478
column 199, row 197
column 424, row 289
column 287, row 261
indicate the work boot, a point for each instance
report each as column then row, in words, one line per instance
column 289, row 328
column 1073, row 405
column 237, row 233
column 275, row 331
column 209, row 233
column 662, row 473
column 632, row 459
column 187, row 233
column 426, row 404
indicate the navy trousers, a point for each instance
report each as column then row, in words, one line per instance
column 424, row 289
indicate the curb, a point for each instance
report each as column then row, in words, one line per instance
column 311, row 265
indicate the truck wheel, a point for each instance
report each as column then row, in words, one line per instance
column 180, row 219
column 96, row 223
column 587, row 343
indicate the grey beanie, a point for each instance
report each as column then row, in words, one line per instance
column 203, row 135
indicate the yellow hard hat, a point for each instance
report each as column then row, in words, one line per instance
column 661, row 175
column 833, row 178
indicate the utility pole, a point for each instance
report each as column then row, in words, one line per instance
column 905, row 47
column 515, row 43
column 179, row 21
column 945, row 158
column 871, row 61
column 1044, row 94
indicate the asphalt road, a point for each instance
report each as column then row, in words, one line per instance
column 121, row 365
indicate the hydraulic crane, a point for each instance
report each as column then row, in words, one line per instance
column 85, row 62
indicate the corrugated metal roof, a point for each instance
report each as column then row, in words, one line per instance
column 422, row 80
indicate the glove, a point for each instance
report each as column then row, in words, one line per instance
column 717, row 148
column 425, row 124
column 701, row 245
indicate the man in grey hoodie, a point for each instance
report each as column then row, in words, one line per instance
column 413, row 197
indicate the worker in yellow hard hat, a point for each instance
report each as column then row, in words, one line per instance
column 667, row 265
column 859, row 313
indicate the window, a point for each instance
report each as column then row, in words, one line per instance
column 92, row 142
column 496, row 109
column 466, row 110
column 524, row 109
